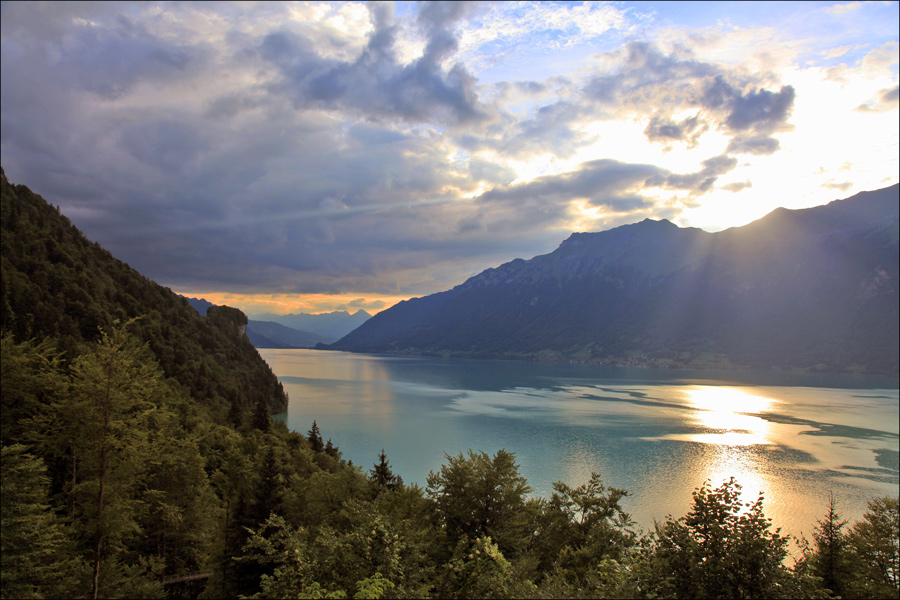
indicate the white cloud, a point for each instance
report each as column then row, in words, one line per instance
column 842, row 9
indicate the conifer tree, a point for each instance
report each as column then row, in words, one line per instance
column 36, row 550
column 315, row 438
column 382, row 476
column 831, row 560
column 113, row 389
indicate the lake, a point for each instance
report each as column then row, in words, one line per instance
column 657, row 433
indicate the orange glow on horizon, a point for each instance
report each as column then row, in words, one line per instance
column 283, row 304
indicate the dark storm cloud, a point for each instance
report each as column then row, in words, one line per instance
column 375, row 83
column 106, row 60
column 244, row 196
column 167, row 143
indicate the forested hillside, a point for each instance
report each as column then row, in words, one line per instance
column 58, row 284
column 139, row 460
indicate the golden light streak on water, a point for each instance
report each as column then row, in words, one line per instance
column 732, row 413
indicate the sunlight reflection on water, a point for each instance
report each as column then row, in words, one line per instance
column 659, row 435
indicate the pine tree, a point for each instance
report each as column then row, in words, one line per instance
column 36, row 550
column 382, row 476
column 830, row 561
column 113, row 389
column 315, row 439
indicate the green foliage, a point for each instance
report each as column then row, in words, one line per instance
column 481, row 496
column 382, row 476
column 373, row 588
column 585, row 536
column 723, row 548
column 479, row 570
column 36, row 549
column 315, row 438
column 55, row 284
column 831, row 562
column 112, row 397
column 873, row 544
column 29, row 378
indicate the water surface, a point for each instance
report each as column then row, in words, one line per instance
column 657, row 433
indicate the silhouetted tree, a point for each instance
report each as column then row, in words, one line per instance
column 831, row 561
column 382, row 476
column 315, row 438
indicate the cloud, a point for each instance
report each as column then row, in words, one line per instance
column 375, row 83
column 737, row 186
column 362, row 304
column 666, row 83
column 638, row 81
column 886, row 99
column 614, row 186
column 762, row 111
column 663, row 129
column 842, row 186
column 759, row 145
column 700, row 182
column 552, row 128
column 607, row 183
column 842, row 9
column 882, row 60
column 347, row 149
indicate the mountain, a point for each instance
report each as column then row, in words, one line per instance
column 200, row 304
column 330, row 326
column 56, row 284
column 268, row 334
column 814, row 288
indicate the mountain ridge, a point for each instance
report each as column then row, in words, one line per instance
column 806, row 288
column 332, row 326
column 56, row 284
column 269, row 334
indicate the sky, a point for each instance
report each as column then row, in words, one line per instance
column 308, row 157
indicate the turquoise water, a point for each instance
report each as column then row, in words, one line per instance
column 657, row 433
